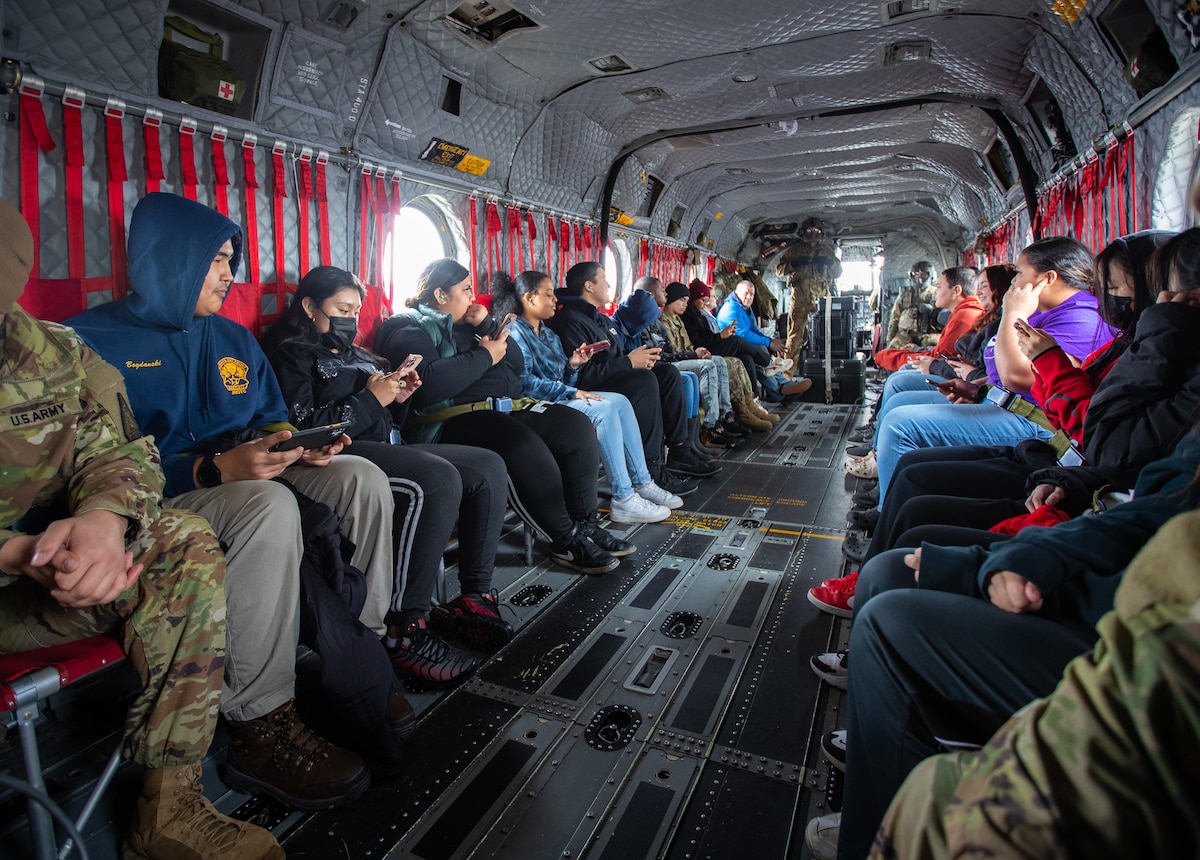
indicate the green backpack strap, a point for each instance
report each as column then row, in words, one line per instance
column 216, row 45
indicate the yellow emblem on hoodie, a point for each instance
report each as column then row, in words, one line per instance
column 233, row 374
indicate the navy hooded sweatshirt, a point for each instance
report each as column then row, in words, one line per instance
column 190, row 379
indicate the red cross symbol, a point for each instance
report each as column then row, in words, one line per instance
column 225, row 91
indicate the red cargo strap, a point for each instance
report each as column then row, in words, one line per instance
column 323, row 209
column 151, row 123
column 564, row 248
column 187, row 156
column 303, row 195
column 643, row 256
column 472, row 238
column 114, row 145
column 220, row 169
column 364, row 227
column 577, row 239
column 382, row 208
column 279, row 194
column 493, row 226
column 250, row 246
column 532, row 236
column 551, row 238
column 515, row 251
column 73, row 154
column 35, row 137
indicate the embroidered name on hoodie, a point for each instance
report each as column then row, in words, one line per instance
column 141, row 365
column 233, row 374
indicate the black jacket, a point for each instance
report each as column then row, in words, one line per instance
column 467, row 376
column 700, row 333
column 1150, row 398
column 323, row 387
column 576, row 323
column 969, row 348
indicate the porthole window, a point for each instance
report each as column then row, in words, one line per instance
column 418, row 238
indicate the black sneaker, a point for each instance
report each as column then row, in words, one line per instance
column 730, row 427
column 682, row 461
column 607, row 541
column 833, row 745
column 473, row 618
column 868, row 498
column 424, row 655
column 580, row 554
column 864, row 520
column 676, row 484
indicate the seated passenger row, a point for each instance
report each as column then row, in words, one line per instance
column 955, row 628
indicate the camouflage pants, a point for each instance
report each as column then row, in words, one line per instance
column 802, row 306
column 172, row 623
column 739, row 382
column 1103, row 767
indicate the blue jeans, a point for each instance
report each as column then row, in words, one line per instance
column 713, row 378
column 905, row 382
column 945, row 424
column 620, row 441
column 691, row 392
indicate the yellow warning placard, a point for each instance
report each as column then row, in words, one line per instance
column 473, row 164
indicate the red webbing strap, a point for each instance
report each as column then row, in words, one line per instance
column 35, row 138
column 514, row 241
column 73, row 155
column 303, row 195
column 472, row 239
column 364, row 226
column 187, row 156
column 323, row 209
column 1131, row 172
column 564, row 248
column 151, row 123
column 532, row 236
column 114, row 147
column 382, row 207
column 491, row 218
column 250, row 249
column 589, row 245
column 279, row 194
column 577, row 240
column 220, row 169
column 551, row 238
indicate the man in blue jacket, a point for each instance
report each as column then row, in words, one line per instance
column 197, row 382
column 736, row 310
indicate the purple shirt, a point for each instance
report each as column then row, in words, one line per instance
column 1075, row 325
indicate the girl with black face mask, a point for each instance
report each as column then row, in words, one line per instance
column 325, row 377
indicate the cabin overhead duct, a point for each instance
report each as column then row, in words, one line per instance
column 487, row 22
column 912, row 51
column 903, row 10
column 646, row 95
column 340, row 14
column 610, row 64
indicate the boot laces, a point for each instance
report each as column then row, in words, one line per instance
column 199, row 816
column 295, row 744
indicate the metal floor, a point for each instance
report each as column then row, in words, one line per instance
column 666, row 709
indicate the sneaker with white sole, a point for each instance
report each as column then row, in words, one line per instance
column 831, row 667
column 821, row 835
column 863, row 467
column 833, row 745
column 652, row 492
column 637, row 509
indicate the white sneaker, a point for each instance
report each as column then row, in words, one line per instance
column 635, row 509
column 652, row 492
column 822, row 833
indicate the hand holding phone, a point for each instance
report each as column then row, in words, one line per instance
column 505, row 325
column 598, row 346
column 409, row 364
column 314, row 437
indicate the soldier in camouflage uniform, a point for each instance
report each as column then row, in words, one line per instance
column 85, row 549
column 905, row 324
column 1103, row 766
column 811, row 266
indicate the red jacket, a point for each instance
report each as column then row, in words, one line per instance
column 960, row 322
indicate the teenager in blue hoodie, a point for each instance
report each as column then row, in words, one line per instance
column 198, row 383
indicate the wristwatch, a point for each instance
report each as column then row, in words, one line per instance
column 207, row 473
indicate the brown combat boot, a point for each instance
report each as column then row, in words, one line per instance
column 175, row 821
column 280, row 756
column 746, row 415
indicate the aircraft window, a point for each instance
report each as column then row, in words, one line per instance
column 451, row 96
column 616, row 268
column 676, row 223
column 417, row 240
column 654, row 190
column 1000, row 161
column 1138, row 41
column 1048, row 117
column 1171, row 210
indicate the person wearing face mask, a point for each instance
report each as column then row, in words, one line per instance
column 326, row 378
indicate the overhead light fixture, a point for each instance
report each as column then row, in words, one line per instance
column 745, row 77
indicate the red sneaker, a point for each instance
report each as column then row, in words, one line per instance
column 474, row 619
column 850, row 577
column 836, row 599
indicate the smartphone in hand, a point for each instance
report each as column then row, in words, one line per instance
column 598, row 346
column 314, row 437
column 505, row 325
column 408, row 365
